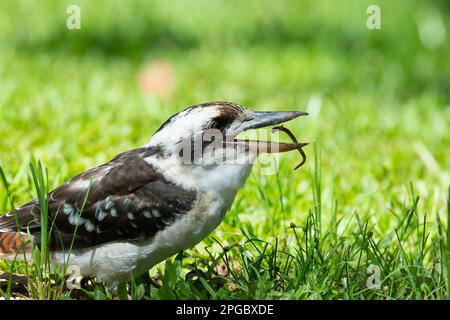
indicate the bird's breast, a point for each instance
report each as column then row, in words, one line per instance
column 205, row 215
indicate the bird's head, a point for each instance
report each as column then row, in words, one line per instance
column 205, row 134
column 197, row 147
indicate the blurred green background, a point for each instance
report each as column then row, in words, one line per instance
column 379, row 99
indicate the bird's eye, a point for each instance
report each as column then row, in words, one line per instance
column 216, row 125
column 220, row 123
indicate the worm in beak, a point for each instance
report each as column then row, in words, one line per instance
column 299, row 146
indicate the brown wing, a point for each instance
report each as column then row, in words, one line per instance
column 122, row 199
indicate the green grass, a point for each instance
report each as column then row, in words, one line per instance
column 374, row 190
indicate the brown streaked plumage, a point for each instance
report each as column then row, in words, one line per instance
column 12, row 242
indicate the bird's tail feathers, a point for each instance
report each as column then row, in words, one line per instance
column 13, row 245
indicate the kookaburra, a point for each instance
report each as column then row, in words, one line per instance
column 121, row 218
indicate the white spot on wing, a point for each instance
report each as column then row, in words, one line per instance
column 113, row 212
column 75, row 219
column 68, row 209
column 156, row 213
column 147, row 214
column 109, row 203
column 100, row 214
column 89, row 225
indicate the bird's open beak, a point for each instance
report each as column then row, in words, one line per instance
column 266, row 119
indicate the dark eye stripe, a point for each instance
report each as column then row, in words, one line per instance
column 228, row 109
column 221, row 122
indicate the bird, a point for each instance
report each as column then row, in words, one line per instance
column 118, row 220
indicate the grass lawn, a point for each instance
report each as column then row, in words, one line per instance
column 370, row 203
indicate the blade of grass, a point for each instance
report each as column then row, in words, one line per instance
column 447, row 251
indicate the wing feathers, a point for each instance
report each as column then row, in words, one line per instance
column 127, row 199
